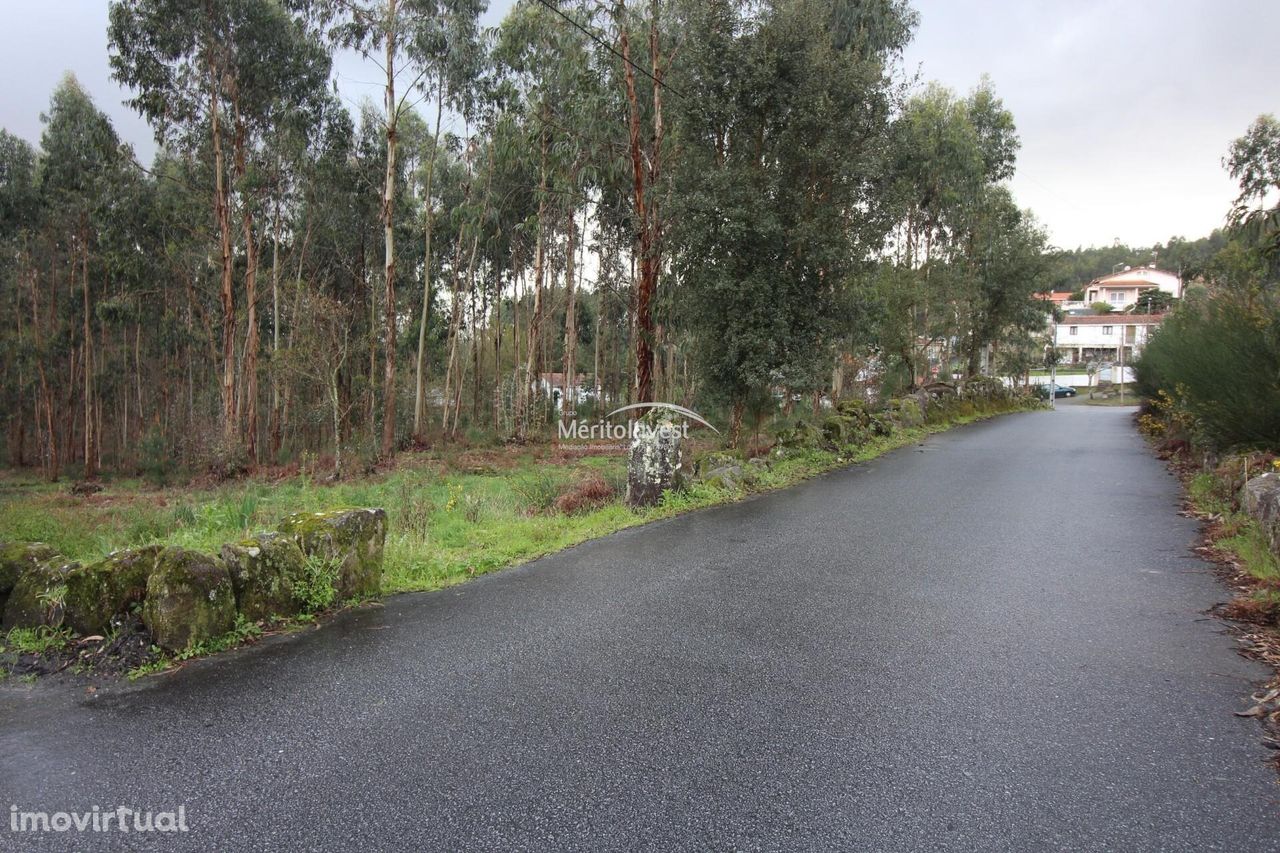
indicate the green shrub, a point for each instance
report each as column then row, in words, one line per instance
column 317, row 586
column 538, row 489
column 1219, row 359
column 36, row 640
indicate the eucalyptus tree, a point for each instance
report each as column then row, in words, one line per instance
column 1007, row 265
column 950, row 155
column 783, row 157
column 449, row 49
column 1254, row 161
column 82, row 167
column 434, row 41
column 646, row 136
column 228, row 70
column 19, row 207
column 545, row 65
column 381, row 30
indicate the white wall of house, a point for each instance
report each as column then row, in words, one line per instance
column 1081, row 342
column 1121, row 289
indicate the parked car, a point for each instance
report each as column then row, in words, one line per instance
column 1042, row 391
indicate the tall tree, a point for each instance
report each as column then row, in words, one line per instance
column 81, row 169
column 229, row 70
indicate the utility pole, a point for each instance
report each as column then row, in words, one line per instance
column 1123, row 335
column 1053, row 363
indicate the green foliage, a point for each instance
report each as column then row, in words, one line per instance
column 244, row 631
column 1254, row 161
column 1218, row 360
column 316, row 588
column 538, row 488
column 38, row 640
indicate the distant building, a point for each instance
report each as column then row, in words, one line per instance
column 1099, row 337
column 1121, row 289
column 553, row 386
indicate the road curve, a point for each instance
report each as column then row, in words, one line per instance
column 996, row 640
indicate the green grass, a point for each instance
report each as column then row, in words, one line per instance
column 1240, row 535
column 34, row 640
column 448, row 520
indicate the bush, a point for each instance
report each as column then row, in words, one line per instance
column 588, row 493
column 1218, row 361
column 537, row 489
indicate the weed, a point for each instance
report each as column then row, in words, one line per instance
column 538, row 489
column 316, row 589
column 243, row 632
column 159, row 664
column 35, row 640
column 54, row 602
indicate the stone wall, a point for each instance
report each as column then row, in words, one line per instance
column 1261, row 499
column 185, row 597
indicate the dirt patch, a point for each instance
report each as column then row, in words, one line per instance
column 129, row 648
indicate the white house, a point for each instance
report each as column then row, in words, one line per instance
column 553, row 386
column 1121, row 289
column 1099, row 337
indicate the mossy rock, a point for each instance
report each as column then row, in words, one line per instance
column 855, row 409
column 882, row 424
column 98, row 591
column 29, row 604
column 265, row 571
column 909, row 412
column 842, row 431
column 15, row 559
column 801, row 434
column 729, row 477
column 351, row 539
column 189, row 599
column 713, row 459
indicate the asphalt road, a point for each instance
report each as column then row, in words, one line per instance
column 994, row 641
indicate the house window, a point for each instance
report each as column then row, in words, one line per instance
column 1116, row 297
column 1106, row 330
column 1073, row 330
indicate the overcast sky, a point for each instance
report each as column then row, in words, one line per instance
column 1125, row 109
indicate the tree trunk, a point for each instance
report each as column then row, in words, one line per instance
column 419, row 394
column 227, row 292
column 644, row 179
column 569, row 398
column 535, row 322
column 250, row 365
column 90, row 431
column 274, row 428
column 388, row 236
column 735, row 423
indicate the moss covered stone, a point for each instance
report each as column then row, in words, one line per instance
column 801, row 434
column 349, row 539
column 15, row 559
column 39, row 595
column 713, row 459
column 909, row 412
column 98, row 591
column 189, row 599
column 265, row 571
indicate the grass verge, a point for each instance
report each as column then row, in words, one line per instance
column 447, row 522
